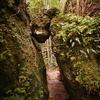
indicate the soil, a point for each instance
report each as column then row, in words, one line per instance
column 55, row 85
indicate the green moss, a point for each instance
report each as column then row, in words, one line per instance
column 76, row 42
column 4, row 55
column 21, row 64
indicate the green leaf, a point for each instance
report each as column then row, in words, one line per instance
column 17, row 90
column 73, row 43
column 9, row 92
column 94, row 51
column 84, row 53
column 72, row 58
column 88, row 51
column 77, row 39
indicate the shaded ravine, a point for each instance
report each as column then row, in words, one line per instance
column 55, row 86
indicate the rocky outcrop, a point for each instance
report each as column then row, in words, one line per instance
column 75, row 44
column 22, row 69
column 41, row 24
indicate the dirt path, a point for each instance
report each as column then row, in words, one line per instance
column 55, row 86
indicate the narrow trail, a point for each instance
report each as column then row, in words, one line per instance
column 55, row 86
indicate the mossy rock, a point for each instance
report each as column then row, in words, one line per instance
column 22, row 69
column 76, row 47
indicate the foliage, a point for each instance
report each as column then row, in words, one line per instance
column 4, row 55
column 78, row 42
column 54, row 3
column 39, row 4
column 17, row 74
column 98, row 19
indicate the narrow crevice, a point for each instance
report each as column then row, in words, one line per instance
column 56, row 87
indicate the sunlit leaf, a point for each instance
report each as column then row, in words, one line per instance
column 70, row 40
column 72, row 58
column 88, row 51
column 73, row 43
column 77, row 39
column 93, row 51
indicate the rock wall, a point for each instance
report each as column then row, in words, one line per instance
column 77, row 53
column 22, row 69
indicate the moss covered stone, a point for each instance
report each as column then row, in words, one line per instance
column 22, row 69
column 76, row 47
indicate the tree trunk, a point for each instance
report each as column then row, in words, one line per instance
column 83, row 7
column 62, row 4
column 45, row 4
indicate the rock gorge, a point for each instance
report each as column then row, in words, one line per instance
column 22, row 68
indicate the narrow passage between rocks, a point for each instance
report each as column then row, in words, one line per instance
column 55, row 86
